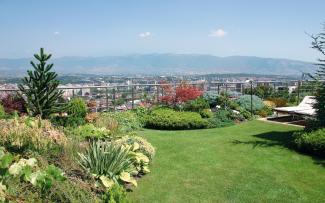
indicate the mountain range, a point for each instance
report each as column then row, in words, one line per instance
column 163, row 64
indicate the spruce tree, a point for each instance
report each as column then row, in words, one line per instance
column 319, row 44
column 40, row 87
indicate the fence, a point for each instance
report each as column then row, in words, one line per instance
column 120, row 97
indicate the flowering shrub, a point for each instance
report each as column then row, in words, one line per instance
column 12, row 103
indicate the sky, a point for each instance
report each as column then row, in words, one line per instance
column 264, row 28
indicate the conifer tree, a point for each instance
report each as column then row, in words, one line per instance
column 319, row 44
column 40, row 87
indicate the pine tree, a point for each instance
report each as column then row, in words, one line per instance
column 40, row 87
column 319, row 44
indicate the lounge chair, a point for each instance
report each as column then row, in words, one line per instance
column 305, row 108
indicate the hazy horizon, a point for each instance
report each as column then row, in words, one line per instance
column 268, row 29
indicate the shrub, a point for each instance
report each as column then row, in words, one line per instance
column 119, row 122
column 269, row 104
column 221, row 118
column 28, row 133
column 144, row 146
column 142, row 114
column 196, row 105
column 245, row 102
column 13, row 103
column 311, row 142
column 2, row 112
column 168, row 119
column 265, row 111
column 89, row 131
column 279, row 102
column 77, row 108
column 116, row 194
column 211, row 97
column 67, row 121
column 91, row 117
column 206, row 113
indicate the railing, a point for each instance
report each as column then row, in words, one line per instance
column 113, row 97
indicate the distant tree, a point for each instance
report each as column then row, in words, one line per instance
column 319, row 44
column 40, row 87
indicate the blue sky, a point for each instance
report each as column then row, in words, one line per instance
column 219, row 27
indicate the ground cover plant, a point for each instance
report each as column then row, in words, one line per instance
column 254, row 161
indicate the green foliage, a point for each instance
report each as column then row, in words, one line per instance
column 142, row 114
column 77, row 108
column 168, row 119
column 196, row 105
column 211, row 97
column 119, row 122
column 45, row 179
column 245, row 102
column 311, row 142
column 40, row 87
column 67, row 121
column 106, row 159
column 116, row 194
column 261, row 91
column 319, row 44
column 89, row 131
column 320, row 104
column 265, row 111
column 221, row 118
column 206, row 113
column 142, row 144
column 223, row 100
column 2, row 112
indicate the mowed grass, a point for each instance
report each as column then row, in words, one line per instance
column 250, row 162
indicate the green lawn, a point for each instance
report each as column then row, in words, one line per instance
column 250, row 162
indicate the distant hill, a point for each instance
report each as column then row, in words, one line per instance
column 164, row 64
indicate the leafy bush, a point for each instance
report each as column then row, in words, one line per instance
column 279, row 102
column 89, row 131
column 311, row 142
column 221, row 118
column 142, row 114
column 168, row 119
column 67, row 121
column 144, row 146
column 211, row 97
column 116, row 194
column 265, row 111
column 245, row 102
column 206, row 113
column 196, row 105
column 2, row 112
column 77, row 108
column 119, row 122
column 29, row 133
